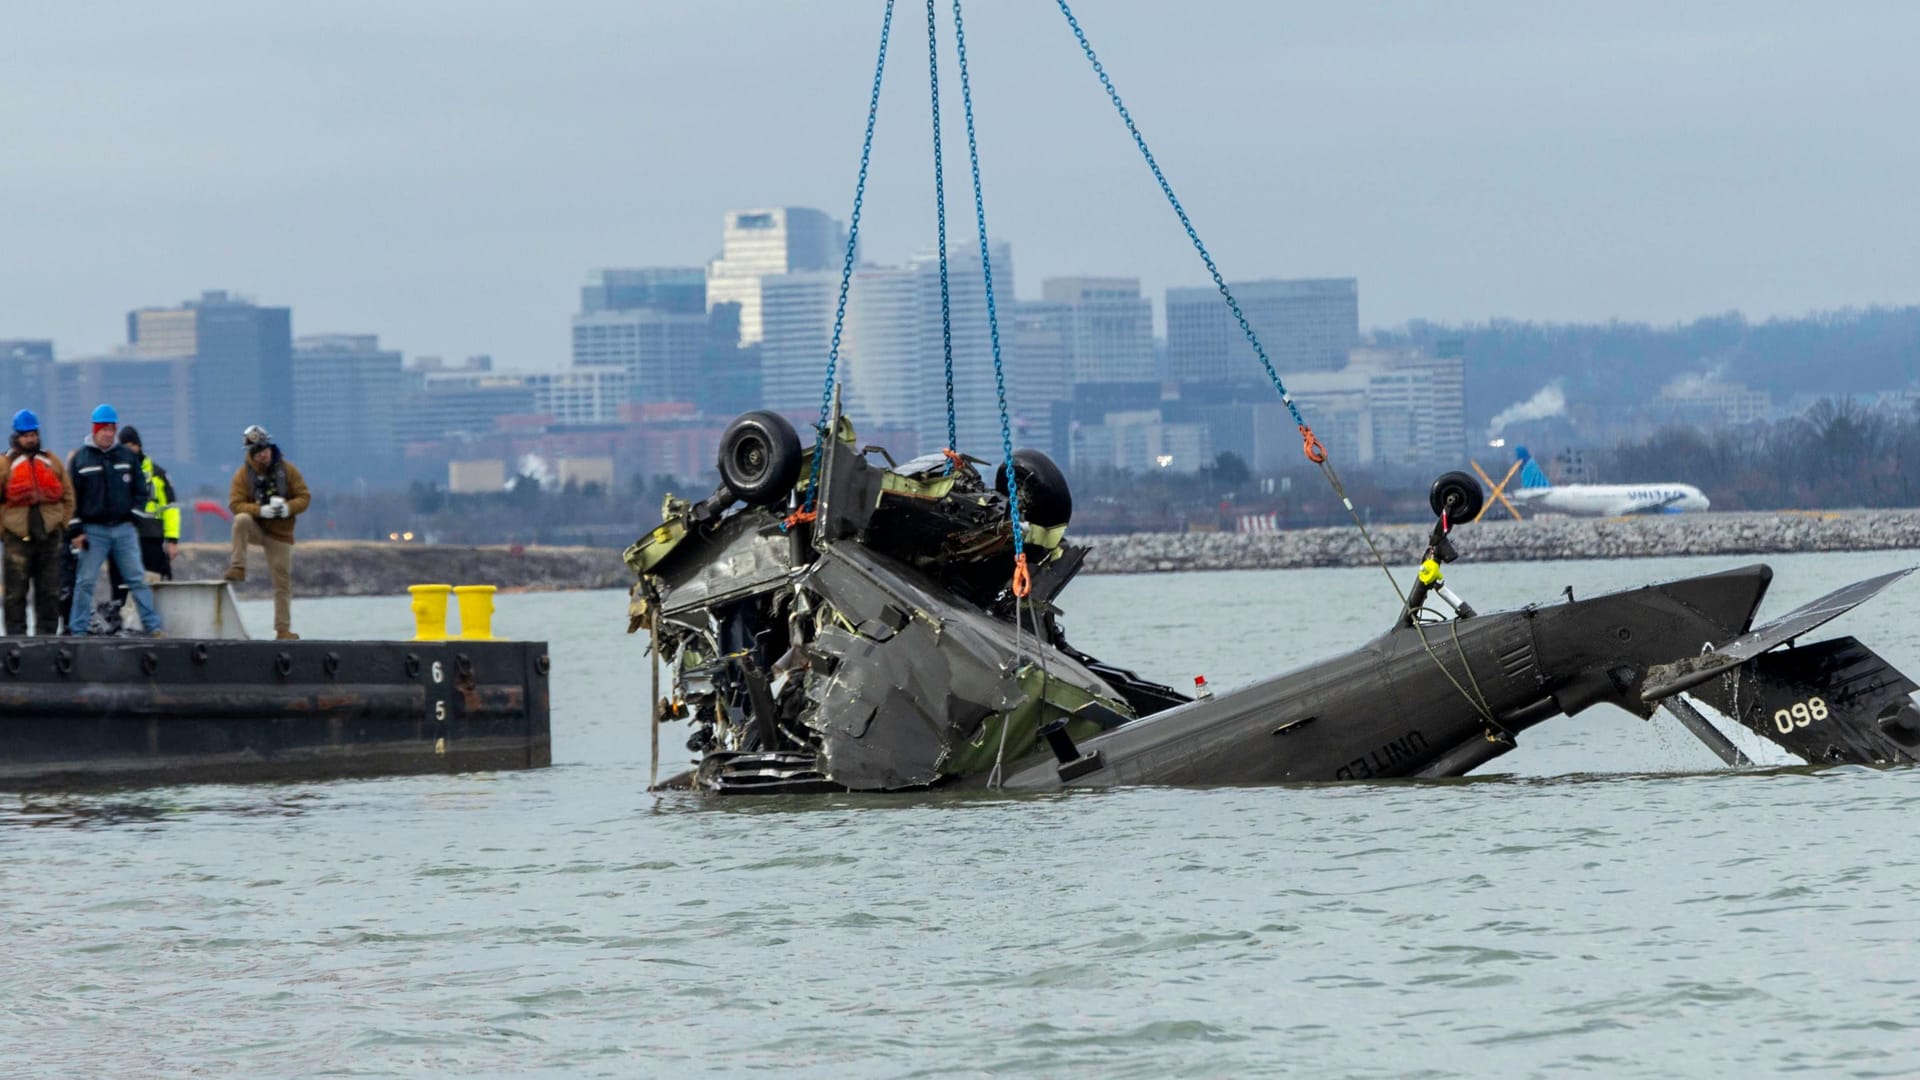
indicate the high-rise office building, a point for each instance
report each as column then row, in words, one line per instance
column 1141, row 441
column 976, row 398
column 155, row 394
column 155, row 332
column 652, row 325
column 1386, row 408
column 886, row 373
column 892, row 353
column 763, row 242
column 798, row 319
column 1086, row 355
column 1112, row 331
column 1306, row 325
column 347, row 397
column 462, row 403
column 678, row 289
column 581, row 397
column 661, row 352
column 730, row 381
column 243, row 370
column 1040, row 374
column 882, row 350
column 1418, row 405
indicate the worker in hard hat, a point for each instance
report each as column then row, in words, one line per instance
column 158, row 522
column 38, row 505
column 108, row 487
column 266, row 495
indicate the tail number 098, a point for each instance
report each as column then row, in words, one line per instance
column 1799, row 715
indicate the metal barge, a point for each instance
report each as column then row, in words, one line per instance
column 93, row 712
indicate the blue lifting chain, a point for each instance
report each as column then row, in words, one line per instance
column 1021, row 580
column 1310, row 444
column 1314, row 451
column 940, row 211
column 805, row 513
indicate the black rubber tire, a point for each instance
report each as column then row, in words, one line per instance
column 1457, row 495
column 760, row 457
column 1045, row 498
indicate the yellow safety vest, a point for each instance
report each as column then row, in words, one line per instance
column 160, row 502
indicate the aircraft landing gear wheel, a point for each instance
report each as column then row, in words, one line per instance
column 1457, row 496
column 1045, row 498
column 760, row 457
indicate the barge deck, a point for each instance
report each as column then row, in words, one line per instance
column 80, row 712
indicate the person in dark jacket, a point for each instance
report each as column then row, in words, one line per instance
column 158, row 522
column 108, row 487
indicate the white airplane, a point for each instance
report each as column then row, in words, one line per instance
column 1602, row 500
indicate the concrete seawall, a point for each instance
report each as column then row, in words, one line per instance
column 370, row 568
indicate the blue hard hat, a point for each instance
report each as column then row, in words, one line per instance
column 1520, row 453
column 24, row 421
column 104, row 414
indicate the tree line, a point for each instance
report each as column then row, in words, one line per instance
column 1837, row 353
column 1838, row 454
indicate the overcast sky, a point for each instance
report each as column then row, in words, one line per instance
column 446, row 173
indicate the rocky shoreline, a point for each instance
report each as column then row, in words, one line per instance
column 370, row 568
column 1516, row 541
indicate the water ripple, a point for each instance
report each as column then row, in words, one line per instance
column 1667, row 919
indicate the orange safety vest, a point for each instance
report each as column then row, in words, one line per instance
column 31, row 480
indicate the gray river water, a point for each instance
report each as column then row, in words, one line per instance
column 1613, row 903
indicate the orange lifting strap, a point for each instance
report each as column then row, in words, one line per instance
column 1022, row 581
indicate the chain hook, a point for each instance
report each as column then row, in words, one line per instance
column 1310, row 445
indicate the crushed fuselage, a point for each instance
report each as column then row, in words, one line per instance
column 878, row 647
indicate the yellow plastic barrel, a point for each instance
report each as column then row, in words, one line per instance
column 430, row 611
column 476, row 611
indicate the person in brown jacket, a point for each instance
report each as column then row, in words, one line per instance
column 39, row 503
column 266, row 495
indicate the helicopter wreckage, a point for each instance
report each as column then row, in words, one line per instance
column 877, row 644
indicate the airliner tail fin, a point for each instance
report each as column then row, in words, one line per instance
column 1531, row 474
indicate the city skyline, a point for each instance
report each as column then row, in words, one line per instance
column 1485, row 160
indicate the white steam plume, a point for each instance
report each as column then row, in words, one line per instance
column 1696, row 382
column 1549, row 401
column 535, row 466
